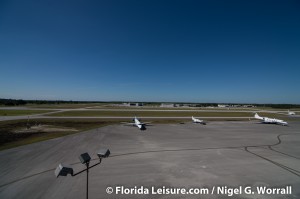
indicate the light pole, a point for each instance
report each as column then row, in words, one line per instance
column 64, row 170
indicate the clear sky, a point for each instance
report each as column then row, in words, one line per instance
column 156, row 50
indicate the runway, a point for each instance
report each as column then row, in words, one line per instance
column 187, row 155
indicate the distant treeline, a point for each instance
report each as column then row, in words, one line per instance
column 18, row 102
column 12, row 102
column 285, row 106
column 282, row 106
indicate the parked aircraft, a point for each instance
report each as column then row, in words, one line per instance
column 291, row 113
column 195, row 120
column 136, row 122
column 270, row 120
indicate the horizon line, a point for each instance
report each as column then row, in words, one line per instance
column 134, row 101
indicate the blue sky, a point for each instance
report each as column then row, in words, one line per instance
column 181, row 51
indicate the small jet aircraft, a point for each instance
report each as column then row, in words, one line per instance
column 136, row 122
column 270, row 120
column 291, row 113
column 195, row 120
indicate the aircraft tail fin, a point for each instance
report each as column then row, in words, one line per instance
column 257, row 116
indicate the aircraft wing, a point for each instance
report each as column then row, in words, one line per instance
column 282, row 123
column 146, row 122
column 202, row 122
column 128, row 123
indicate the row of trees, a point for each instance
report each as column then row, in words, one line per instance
column 18, row 102
column 12, row 102
column 285, row 106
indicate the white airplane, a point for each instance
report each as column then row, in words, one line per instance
column 291, row 113
column 137, row 123
column 195, row 120
column 270, row 120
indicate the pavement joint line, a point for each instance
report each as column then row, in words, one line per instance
column 289, row 169
column 270, row 147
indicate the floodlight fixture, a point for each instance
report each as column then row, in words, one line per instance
column 103, row 153
column 63, row 170
column 85, row 158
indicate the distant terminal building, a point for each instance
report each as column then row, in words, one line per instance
column 167, row 105
column 235, row 106
column 185, row 105
column 223, row 105
column 133, row 104
column 248, row 106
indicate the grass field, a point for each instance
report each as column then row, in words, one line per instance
column 21, row 112
column 64, row 106
column 170, row 108
column 133, row 113
column 9, row 138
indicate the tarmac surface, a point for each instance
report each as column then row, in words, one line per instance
column 209, row 157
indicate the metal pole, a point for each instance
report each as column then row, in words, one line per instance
column 87, row 180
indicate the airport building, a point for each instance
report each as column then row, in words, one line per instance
column 167, row 105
